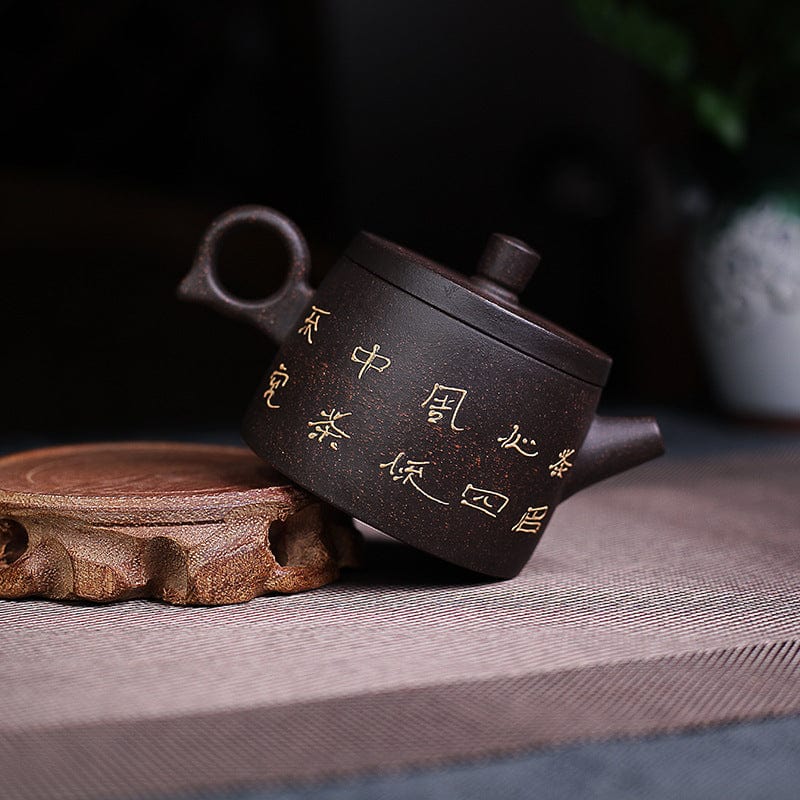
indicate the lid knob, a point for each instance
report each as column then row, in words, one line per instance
column 508, row 263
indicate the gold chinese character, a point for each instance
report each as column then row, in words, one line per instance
column 368, row 359
column 558, row 469
column 326, row 426
column 491, row 503
column 531, row 520
column 311, row 322
column 408, row 473
column 444, row 400
column 513, row 440
column 277, row 379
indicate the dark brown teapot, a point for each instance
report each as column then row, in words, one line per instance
column 432, row 407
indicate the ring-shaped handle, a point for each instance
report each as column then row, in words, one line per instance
column 276, row 314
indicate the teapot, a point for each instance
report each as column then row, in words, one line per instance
column 430, row 406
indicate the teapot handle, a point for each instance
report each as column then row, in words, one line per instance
column 275, row 315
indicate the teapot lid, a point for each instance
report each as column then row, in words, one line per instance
column 487, row 302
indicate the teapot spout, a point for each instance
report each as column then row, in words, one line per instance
column 613, row 445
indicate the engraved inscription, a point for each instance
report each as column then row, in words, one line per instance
column 401, row 468
column 485, row 500
column 444, row 401
column 277, row 379
column 531, row 520
column 517, row 442
column 558, row 469
column 370, row 359
column 311, row 323
column 325, row 427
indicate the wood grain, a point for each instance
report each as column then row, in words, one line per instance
column 183, row 523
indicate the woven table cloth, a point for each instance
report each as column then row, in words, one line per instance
column 664, row 599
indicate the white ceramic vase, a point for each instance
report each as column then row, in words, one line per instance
column 746, row 293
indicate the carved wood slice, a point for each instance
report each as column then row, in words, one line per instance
column 184, row 523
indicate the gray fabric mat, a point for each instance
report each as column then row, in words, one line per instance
column 746, row 761
column 663, row 599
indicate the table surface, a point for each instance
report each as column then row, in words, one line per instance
column 641, row 653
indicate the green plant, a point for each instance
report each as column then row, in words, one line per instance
column 734, row 64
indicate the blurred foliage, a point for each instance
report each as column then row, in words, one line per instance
column 734, row 64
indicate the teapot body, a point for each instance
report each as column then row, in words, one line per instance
column 431, row 407
column 418, row 424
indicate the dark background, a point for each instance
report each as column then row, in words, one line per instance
column 127, row 126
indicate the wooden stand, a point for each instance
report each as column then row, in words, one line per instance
column 187, row 524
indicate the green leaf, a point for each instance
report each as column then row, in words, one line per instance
column 721, row 115
column 631, row 28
